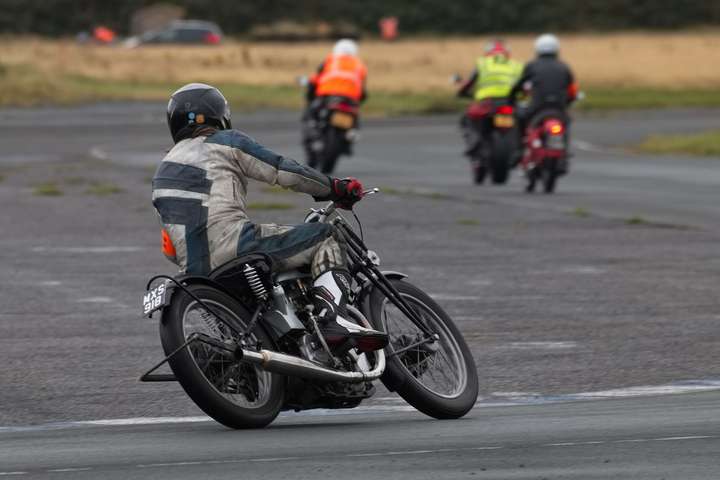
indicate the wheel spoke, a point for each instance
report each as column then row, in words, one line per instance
column 439, row 368
column 232, row 382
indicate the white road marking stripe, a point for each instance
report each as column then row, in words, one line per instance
column 59, row 470
column 94, row 300
column 570, row 444
column 395, row 404
column 107, row 249
column 689, row 437
column 12, row 473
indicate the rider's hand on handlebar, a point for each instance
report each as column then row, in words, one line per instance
column 347, row 192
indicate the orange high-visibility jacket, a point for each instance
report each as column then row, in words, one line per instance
column 342, row 75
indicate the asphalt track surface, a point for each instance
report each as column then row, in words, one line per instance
column 608, row 285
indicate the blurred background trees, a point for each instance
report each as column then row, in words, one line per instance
column 244, row 17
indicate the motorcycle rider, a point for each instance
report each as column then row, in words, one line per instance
column 199, row 193
column 552, row 84
column 489, row 83
column 342, row 74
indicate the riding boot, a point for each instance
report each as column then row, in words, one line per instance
column 330, row 292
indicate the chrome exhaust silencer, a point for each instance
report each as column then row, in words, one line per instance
column 297, row 367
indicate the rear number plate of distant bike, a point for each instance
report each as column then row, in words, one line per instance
column 155, row 299
column 555, row 142
column 504, row 121
column 342, row 120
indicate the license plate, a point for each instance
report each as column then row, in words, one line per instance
column 342, row 120
column 555, row 142
column 155, row 299
column 504, row 121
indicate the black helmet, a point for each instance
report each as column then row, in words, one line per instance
column 197, row 104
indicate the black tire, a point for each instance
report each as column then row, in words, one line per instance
column 195, row 383
column 478, row 170
column 549, row 175
column 500, row 154
column 312, row 158
column 531, row 180
column 397, row 376
column 334, row 146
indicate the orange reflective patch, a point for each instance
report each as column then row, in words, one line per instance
column 167, row 246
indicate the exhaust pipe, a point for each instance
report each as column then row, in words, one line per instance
column 297, row 367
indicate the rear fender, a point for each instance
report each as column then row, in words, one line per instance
column 187, row 280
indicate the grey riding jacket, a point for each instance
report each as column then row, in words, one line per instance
column 200, row 189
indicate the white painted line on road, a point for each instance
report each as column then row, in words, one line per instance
column 106, row 249
column 98, row 153
column 395, row 404
column 684, row 387
column 62, row 470
column 141, row 421
column 450, row 297
column 12, row 473
column 94, row 300
column 572, row 444
column 689, row 437
column 540, row 345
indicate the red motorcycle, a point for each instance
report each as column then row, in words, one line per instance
column 489, row 128
column 546, row 150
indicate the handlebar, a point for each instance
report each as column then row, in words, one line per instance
column 321, row 214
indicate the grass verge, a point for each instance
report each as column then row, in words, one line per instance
column 102, row 189
column 701, row 144
column 48, row 189
column 270, row 206
column 22, row 85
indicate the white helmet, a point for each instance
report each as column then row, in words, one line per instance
column 547, row 44
column 345, row 46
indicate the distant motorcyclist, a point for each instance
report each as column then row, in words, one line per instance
column 341, row 74
column 490, row 82
column 200, row 190
column 550, row 81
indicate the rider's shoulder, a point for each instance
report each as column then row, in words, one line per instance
column 231, row 138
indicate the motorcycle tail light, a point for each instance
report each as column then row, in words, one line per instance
column 554, row 127
column 344, row 107
column 505, row 110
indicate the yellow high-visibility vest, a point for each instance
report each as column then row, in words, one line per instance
column 497, row 75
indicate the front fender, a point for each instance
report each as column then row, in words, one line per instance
column 363, row 298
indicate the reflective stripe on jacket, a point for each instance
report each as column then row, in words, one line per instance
column 342, row 75
column 497, row 75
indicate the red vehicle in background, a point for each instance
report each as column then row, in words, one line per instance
column 546, row 150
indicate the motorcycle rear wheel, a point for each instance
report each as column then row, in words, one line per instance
column 549, row 175
column 235, row 394
column 439, row 379
column 334, row 146
column 500, row 153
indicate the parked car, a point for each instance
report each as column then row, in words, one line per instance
column 180, row 31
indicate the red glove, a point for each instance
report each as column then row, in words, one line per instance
column 346, row 192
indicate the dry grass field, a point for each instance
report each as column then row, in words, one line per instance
column 660, row 61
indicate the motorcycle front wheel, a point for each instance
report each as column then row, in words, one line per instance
column 237, row 395
column 438, row 378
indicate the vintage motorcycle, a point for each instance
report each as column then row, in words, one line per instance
column 244, row 342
